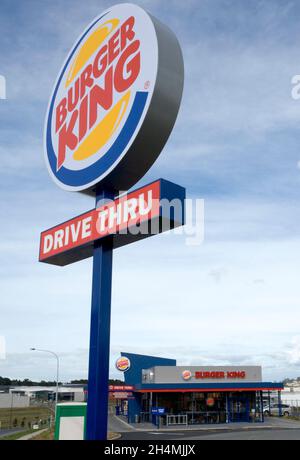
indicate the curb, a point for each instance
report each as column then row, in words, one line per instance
column 32, row 435
column 182, row 428
column 206, row 429
column 132, row 428
column 115, row 437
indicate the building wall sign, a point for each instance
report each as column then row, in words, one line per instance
column 123, row 364
column 199, row 374
column 241, row 375
column 121, row 388
column 186, row 375
column 121, row 395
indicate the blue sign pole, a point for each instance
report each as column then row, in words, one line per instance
column 97, row 403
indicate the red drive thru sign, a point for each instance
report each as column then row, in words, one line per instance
column 121, row 388
column 145, row 212
column 121, row 392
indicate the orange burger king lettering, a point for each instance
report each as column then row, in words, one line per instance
column 119, row 63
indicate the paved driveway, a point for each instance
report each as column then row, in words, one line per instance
column 251, row 435
column 273, row 429
column 116, row 425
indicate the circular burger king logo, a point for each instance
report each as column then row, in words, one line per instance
column 210, row 402
column 123, row 364
column 110, row 100
column 186, row 375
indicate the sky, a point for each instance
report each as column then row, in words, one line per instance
column 232, row 300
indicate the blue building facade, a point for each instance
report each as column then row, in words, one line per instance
column 164, row 392
column 134, row 377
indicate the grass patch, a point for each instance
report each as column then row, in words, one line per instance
column 24, row 417
column 113, row 436
column 293, row 417
column 46, row 436
column 15, row 436
column 49, row 436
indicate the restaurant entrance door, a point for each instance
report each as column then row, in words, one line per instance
column 239, row 409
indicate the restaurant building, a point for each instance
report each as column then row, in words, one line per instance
column 165, row 394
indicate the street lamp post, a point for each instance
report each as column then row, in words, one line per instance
column 57, row 370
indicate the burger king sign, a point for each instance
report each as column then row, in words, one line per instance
column 114, row 103
column 123, row 364
column 112, row 110
column 186, row 375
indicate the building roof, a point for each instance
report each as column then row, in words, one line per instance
column 211, row 387
column 47, row 389
column 141, row 364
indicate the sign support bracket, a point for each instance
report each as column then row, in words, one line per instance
column 97, row 402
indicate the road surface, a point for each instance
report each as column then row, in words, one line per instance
column 274, row 429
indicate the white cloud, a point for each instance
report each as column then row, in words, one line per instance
column 2, row 348
column 293, row 352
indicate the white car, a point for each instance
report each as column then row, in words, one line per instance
column 274, row 409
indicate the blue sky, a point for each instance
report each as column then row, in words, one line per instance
column 233, row 300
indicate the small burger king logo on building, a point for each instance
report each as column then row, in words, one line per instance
column 123, row 364
column 186, row 375
column 210, row 402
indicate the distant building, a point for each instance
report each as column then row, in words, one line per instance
column 8, row 400
column 65, row 393
column 291, row 394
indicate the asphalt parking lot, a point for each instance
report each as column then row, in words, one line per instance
column 274, row 429
column 245, row 435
